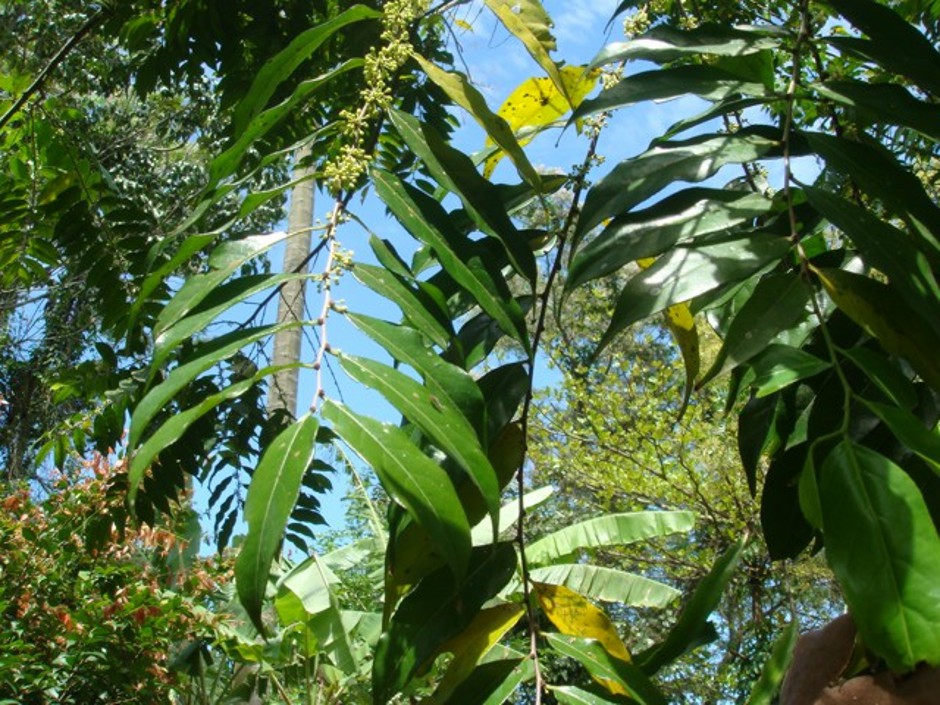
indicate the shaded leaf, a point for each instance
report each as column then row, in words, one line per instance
column 607, row 669
column 272, row 493
column 411, row 479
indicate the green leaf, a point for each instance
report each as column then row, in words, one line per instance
column 755, row 426
column 509, row 515
column 459, row 89
column 876, row 171
column 224, row 261
column 609, row 530
column 449, row 383
column 436, row 611
column 173, row 428
column 909, row 429
column 227, row 163
column 439, row 420
column 786, row 531
column 664, row 44
column 679, row 218
column 684, row 273
column 708, row 82
column 885, row 248
column 886, row 103
column 424, row 218
column 411, row 479
column 884, row 549
column 878, row 309
column 777, row 303
column 693, row 620
column 771, row 675
column 892, row 382
column 493, row 682
column 607, row 584
column 572, row 695
column 605, row 668
column 634, row 180
column 209, row 354
column 423, row 314
column 894, row 42
column 780, row 366
column 483, row 203
column 272, row 493
column 472, row 644
column 285, row 62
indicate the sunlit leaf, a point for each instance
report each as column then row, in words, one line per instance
column 538, row 102
column 884, row 549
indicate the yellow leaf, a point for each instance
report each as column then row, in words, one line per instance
column 473, row 643
column 575, row 615
column 681, row 323
column 538, row 102
column 465, row 26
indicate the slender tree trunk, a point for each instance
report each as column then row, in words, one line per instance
column 282, row 393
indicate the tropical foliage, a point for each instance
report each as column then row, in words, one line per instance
column 821, row 289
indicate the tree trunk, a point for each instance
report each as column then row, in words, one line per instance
column 282, row 394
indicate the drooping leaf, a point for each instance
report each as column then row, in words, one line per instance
column 755, row 426
column 887, row 103
column 692, row 624
column 439, row 420
column 884, row 549
column 607, row 584
column 777, row 303
column 426, row 220
column 666, row 43
column 909, row 429
column 224, row 261
column 574, row 615
column 887, row 249
column 786, row 531
column 876, row 171
column 459, row 89
column 174, row 427
column 615, row 675
column 679, row 218
column 272, row 494
column 892, row 382
column 708, row 82
column 780, row 366
column 209, row 355
column 447, row 382
column 530, row 23
column 887, row 31
column 411, row 479
column 878, row 309
column 423, row 315
column 775, row 668
column 286, row 61
column 608, row 530
column 493, row 682
column 439, row 609
column 572, row 695
column 684, row 273
column 634, row 180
